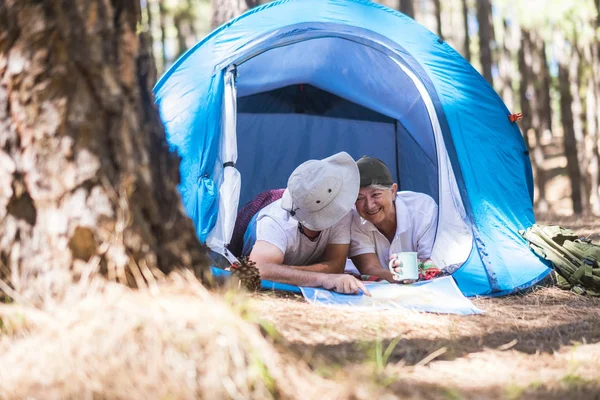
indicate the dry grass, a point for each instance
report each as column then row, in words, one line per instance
column 176, row 343
column 544, row 344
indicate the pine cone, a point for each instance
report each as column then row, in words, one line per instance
column 245, row 270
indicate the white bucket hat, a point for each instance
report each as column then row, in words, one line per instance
column 320, row 192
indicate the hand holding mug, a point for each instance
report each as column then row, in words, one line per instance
column 404, row 267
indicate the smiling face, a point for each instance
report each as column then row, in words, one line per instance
column 376, row 204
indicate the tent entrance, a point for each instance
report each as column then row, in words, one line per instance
column 312, row 98
column 298, row 122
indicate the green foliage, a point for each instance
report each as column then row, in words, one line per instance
column 452, row 394
column 259, row 367
column 575, row 381
column 381, row 357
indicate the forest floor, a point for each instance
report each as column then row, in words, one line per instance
column 177, row 341
column 542, row 344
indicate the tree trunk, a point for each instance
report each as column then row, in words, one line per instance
column 525, row 87
column 577, row 106
column 149, row 21
column 406, row 7
column 570, row 143
column 179, row 23
column 86, row 177
column 225, row 10
column 484, row 17
column 505, row 66
column 539, row 121
column 529, row 98
column 545, row 96
column 592, row 136
column 183, row 22
column 595, row 158
column 163, row 34
column 438, row 18
column 193, row 16
column 467, row 44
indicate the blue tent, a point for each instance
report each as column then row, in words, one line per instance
column 301, row 79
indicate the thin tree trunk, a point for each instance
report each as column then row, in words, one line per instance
column 592, row 136
column 394, row 4
column 150, row 30
column 545, row 96
column 183, row 21
column 505, row 66
column 225, row 10
column 577, row 106
column 531, row 118
column 570, row 143
column 86, row 177
column 595, row 159
column 163, row 33
column 484, row 17
column 406, row 7
column 178, row 22
column 192, row 21
column 438, row 18
column 539, row 116
column 149, row 16
column 467, row 44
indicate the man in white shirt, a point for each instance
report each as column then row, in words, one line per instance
column 386, row 222
column 303, row 239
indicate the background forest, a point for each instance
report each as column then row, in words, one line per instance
column 542, row 57
column 89, row 210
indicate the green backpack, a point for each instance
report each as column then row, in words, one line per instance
column 576, row 260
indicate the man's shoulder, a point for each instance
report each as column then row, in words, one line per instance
column 274, row 212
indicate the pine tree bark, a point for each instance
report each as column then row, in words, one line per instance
column 149, row 20
column 577, row 107
column 225, row 10
column 525, row 87
column 486, row 34
column 546, row 86
column 530, row 124
column 595, row 158
column 570, row 143
column 540, row 113
column 505, row 66
column 406, row 7
column 592, row 136
column 162, row 21
column 438, row 18
column 179, row 24
column 467, row 39
column 86, row 177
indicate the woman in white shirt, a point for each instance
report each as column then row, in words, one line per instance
column 386, row 222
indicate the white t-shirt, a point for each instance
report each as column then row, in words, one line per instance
column 277, row 227
column 416, row 225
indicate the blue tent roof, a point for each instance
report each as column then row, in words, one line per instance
column 487, row 152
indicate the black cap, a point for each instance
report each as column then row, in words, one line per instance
column 373, row 171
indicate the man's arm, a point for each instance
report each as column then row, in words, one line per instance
column 334, row 260
column 269, row 259
column 369, row 264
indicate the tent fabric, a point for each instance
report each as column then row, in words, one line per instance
column 375, row 56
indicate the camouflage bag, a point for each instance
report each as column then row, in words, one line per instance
column 576, row 260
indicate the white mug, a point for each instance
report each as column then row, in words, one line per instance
column 410, row 266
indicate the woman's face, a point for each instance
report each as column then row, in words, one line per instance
column 376, row 205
